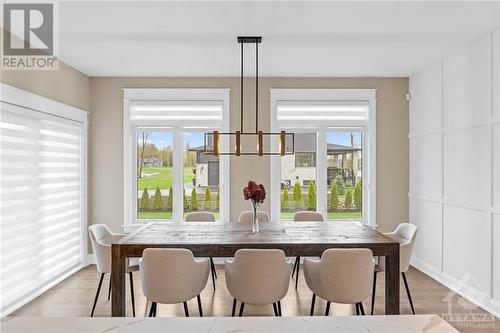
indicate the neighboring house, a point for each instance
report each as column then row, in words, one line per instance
column 152, row 162
column 207, row 168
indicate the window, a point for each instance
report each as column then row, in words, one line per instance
column 43, row 214
column 334, row 150
column 170, row 174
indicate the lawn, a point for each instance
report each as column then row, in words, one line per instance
column 331, row 215
column 154, row 215
column 162, row 178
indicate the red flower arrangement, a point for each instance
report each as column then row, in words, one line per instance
column 255, row 192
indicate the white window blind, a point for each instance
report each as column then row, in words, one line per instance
column 42, row 202
column 328, row 113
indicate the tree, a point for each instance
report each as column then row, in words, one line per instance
column 145, row 199
column 348, row 199
column 285, row 200
column 334, row 197
column 208, row 199
column 170, row 198
column 142, row 147
column 185, row 200
column 297, row 195
column 357, row 195
column 194, row 200
column 339, row 180
column 217, row 198
column 157, row 201
column 311, row 196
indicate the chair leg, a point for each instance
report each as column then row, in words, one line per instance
column 327, row 311
column 152, row 310
column 279, row 309
column 199, row 305
column 109, row 290
column 373, row 291
column 234, row 308
column 311, row 313
column 132, row 296
column 408, row 292
column 294, row 266
column 275, row 309
column 148, row 304
column 241, row 309
column 357, row 309
column 97, row 294
column 361, row 309
column 186, row 311
column 213, row 267
column 297, row 276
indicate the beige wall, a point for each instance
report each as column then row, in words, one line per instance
column 105, row 140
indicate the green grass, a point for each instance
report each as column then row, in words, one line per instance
column 154, row 215
column 162, row 178
column 331, row 215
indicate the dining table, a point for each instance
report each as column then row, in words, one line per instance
column 223, row 239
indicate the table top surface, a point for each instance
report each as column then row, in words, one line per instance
column 373, row 324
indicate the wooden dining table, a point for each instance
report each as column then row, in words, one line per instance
column 220, row 239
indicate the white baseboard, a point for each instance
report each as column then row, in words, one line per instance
column 475, row 296
column 90, row 259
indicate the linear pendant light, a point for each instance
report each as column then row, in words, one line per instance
column 212, row 142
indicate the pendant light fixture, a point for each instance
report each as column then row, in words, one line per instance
column 212, row 144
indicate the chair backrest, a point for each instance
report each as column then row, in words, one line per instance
column 247, row 216
column 341, row 275
column 258, row 276
column 405, row 234
column 200, row 217
column 307, row 216
column 172, row 275
column 99, row 237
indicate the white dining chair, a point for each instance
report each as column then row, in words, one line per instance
column 247, row 217
column 303, row 216
column 101, row 239
column 171, row 276
column 204, row 217
column 405, row 235
column 340, row 276
column 257, row 276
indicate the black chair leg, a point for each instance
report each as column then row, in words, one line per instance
column 408, row 292
column 294, row 266
column 311, row 313
column 152, row 310
column 97, row 294
column 234, row 308
column 373, row 291
column 186, row 311
column 357, row 309
column 241, row 309
column 213, row 267
column 275, row 309
column 132, row 296
column 279, row 308
column 213, row 273
column 109, row 290
column 327, row 311
column 200, row 310
column 297, row 276
column 361, row 308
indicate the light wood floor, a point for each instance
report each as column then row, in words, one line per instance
column 74, row 297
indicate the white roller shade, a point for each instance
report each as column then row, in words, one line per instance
column 41, row 200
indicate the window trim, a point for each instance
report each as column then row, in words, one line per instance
column 129, row 148
column 369, row 146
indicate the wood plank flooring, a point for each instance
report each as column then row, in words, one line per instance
column 74, row 296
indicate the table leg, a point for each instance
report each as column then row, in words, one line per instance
column 392, row 280
column 118, row 274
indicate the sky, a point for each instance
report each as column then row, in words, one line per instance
column 343, row 138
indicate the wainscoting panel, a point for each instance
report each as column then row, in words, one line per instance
column 496, row 167
column 496, row 258
column 496, row 74
column 425, row 162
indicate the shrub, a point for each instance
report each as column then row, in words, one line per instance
column 208, row 199
column 185, row 200
column 157, row 201
column 285, row 200
column 217, row 198
column 194, row 200
column 334, row 197
column 357, row 195
column 145, row 199
column 339, row 181
column 297, row 195
column 348, row 199
column 311, row 196
column 170, row 198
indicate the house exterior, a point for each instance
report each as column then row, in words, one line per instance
column 206, row 169
column 152, row 162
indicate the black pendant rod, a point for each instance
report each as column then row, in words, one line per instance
column 241, row 92
column 256, row 87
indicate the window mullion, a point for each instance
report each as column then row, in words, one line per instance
column 178, row 183
column 321, row 177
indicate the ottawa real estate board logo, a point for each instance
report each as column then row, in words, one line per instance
column 28, row 37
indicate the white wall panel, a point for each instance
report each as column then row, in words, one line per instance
column 496, row 74
column 426, row 100
column 496, row 166
column 427, row 216
column 466, row 166
column 467, row 85
column 496, row 257
column 426, row 166
column 467, row 246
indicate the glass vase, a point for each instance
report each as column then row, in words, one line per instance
column 255, row 220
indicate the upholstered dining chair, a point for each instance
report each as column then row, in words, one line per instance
column 257, row 276
column 102, row 238
column 405, row 234
column 303, row 216
column 204, row 217
column 171, row 276
column 247, row 216
column 340, row 276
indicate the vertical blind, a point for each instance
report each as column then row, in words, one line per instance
column 41, row 200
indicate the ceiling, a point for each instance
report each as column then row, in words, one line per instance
column 299, row 38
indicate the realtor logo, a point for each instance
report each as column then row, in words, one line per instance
column 28, row 36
